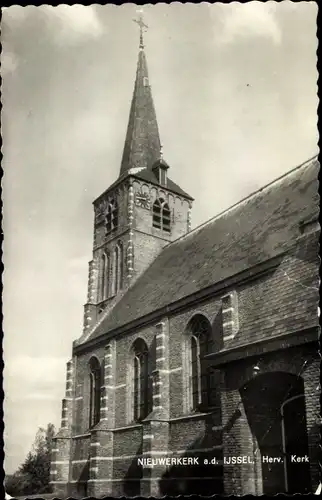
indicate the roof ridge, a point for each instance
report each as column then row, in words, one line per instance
column 226, row 210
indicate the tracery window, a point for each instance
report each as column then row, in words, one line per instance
column 201, row 380
column 104, row 276
column 95, row 391
column 112, row 216
column 118, row 268
column 161, row 215
column 141, row 386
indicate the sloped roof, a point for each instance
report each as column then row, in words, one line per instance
column 149, row 176
column 254, row 230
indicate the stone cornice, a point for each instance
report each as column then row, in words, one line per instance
column 264, row 346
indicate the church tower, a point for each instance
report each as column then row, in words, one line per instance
column 141, row 212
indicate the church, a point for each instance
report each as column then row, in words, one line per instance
column 198, row 369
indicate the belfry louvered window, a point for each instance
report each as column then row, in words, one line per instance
column 140, row 381
column 112, row 216
column 201, row 381
column 95, row 391
column 161, row 215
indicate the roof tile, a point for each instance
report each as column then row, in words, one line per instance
column 254, row 230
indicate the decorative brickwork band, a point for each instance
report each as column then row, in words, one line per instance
column 130, row 256
column 92, row 282
column 92, row 295
column 130, row 247
column 161, row 358
column 189, row 218
column 155, row 440
column 67, row 402
column 60, row 464
column 101, row 464
column 101, row 445
column 60, row 459
column 156, row 390
column 108, row 387
column 89, row 316
column 160, row 376
column 230, row 315
column 108, row 377
column 94, row 453
column 130, row 206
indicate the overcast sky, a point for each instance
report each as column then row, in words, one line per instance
column 234, row 87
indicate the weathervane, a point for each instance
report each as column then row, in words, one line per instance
column 142, row 25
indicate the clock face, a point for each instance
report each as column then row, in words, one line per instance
column 143, row 200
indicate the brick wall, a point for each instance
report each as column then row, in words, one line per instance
column 146, row 249
column 128, row 442
column 80, row 453
column 312, row 391
column 282, row 301
column 81, row 447
column 184, row 433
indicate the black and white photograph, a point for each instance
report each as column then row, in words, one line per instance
column 161, row 249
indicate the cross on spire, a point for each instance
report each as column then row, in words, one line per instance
column 142, row 141
column 142, row 25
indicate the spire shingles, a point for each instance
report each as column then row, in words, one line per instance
column 142, row 142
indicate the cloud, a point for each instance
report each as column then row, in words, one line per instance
column 30, row 372
column 73, row 22
column 9, row 63
column 251, row 19
column 41, row 396
column 67, row 24
column 14, row 14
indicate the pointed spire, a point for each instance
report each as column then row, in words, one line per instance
column 142, row 142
